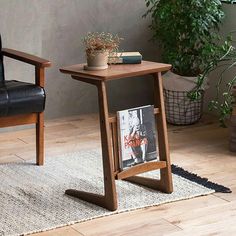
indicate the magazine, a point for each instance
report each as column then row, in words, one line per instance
column 137, row 136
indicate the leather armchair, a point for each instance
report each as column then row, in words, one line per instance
column 23, row 103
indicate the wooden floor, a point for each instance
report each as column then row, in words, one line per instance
column 202, row 148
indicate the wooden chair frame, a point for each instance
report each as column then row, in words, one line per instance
column 32, row 118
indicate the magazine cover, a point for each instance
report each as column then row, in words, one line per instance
column 137, row 136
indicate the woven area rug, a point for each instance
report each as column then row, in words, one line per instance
column 32, row 198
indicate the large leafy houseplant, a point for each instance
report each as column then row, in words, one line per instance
column 187, row 31
column 224, row 65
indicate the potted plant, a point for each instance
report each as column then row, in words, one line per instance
column 187, row 32
column 97, row 47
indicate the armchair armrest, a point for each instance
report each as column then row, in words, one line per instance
column 25, row 57
column 38, row 62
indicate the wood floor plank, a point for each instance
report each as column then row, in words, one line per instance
column 10, row 158
column 198, row 217
column 129, row 223
column 65, row 231
column 126, row 224
column 226, row 227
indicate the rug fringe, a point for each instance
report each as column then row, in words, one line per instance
column 199, row 180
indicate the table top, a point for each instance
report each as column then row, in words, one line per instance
column 116, row 71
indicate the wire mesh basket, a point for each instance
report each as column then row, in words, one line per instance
column 180, row 110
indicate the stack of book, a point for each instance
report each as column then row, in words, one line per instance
column 125, row 58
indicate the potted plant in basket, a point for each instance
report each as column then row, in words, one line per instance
column 97, row 47
column 187, row 32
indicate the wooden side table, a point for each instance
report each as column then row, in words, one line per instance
column 108, row 127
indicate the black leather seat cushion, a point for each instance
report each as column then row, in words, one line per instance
column 20, row 98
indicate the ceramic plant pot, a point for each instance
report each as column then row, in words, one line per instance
column 97, row 60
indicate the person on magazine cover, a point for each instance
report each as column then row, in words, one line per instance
column 138, row 138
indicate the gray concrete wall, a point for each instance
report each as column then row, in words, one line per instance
column 53, row 29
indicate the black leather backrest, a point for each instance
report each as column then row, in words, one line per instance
column 1, row 62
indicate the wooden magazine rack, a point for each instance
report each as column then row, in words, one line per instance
column 109, row 135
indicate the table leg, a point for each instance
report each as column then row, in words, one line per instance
column 165, row 183
column 166, row 177
column 109, row 200
column 108, row 170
